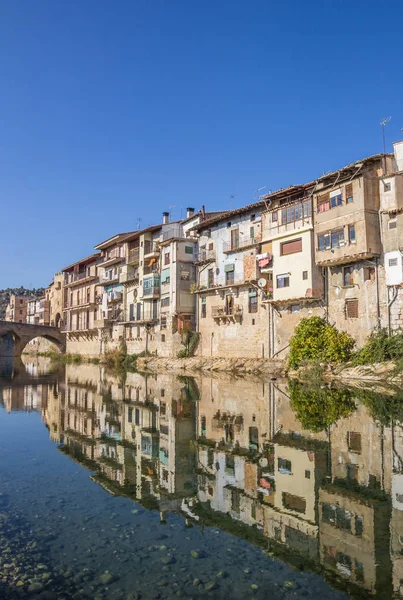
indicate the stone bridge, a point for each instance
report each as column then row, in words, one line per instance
column 15, row 336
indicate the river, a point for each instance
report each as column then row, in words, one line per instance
column 132, row 486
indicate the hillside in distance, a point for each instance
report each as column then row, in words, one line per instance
column 21, row 291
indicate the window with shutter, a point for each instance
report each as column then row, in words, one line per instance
column 351, row 309
column 323, row 203
column 291, row 247
column 348, row 190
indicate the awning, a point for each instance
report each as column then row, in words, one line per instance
column 152, row 261
column 264, row 255
column 229, row 268
column 264, row 262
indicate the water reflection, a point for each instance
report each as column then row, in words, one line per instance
column 313, row 476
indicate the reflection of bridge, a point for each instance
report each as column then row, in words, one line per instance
column 15, row 336
column 13, row 373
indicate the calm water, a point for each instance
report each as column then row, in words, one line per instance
column 163, row 487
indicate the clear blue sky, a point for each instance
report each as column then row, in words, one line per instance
column 113, row 111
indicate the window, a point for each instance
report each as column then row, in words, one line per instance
column 295, row 308
column 229, row 277
column 337, row 238
column 336, row 198
column 162, row 393
column 229, row 224
column 253, row 217
column 284, row 466
column 210, row 278
column 354, row 441
column 188, row 249
column 358, row 525
column 167, row 258
column 163, row 322
column 252, row 233
column 291, row 247
column 229, row 464
column 20, row 312
column 283, row 281
column 392, row 224
column 137, row 416
column 351, row 309
column 351, row 234
column 349, row 193
column 392, row 262
column 294, row 502
column 163, row 409
column 165, row 302
column 253, row 301
column 369, row 274
column 211, row 246
column 274, row 217
column 337, row 516
column 21, row 301
column 304, row 275
column 203, row 308
column 130, row 415
column 387, row 186
column 348, row 278
column 163, row 337
column 399, row 498
column 296, row 212
column 324, row 241
column 307, row 474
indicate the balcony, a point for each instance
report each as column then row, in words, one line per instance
column 205, row 256
column 232, row 313
column 72, row 279
column 133, row 258
column 241, row 244
column 129, row 275
column 112, row 258
column 151, row 249
column 151, row 287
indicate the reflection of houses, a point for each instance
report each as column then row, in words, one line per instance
column 354, row 506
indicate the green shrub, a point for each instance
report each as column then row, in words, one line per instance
column 319, row 407
column 380, row 347
column 316, row 340
column 191, row 340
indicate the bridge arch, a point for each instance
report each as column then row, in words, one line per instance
column 15, row 336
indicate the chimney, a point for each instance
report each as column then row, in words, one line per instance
column 190, row 212
column 165, row 218
column 203, row 212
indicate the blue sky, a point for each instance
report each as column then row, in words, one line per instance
column 113, row 112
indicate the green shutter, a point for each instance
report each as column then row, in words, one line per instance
column 229, row 268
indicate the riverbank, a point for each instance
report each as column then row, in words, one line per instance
column 388, row 372
column 255, row 366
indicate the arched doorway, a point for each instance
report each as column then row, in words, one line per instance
column 58, row 320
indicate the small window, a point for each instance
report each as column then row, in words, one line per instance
column 203, row 308
column 387, row 186
column 304, row 275
column 284, row 466
column 163, row 409
column 358, row 525
column 392, row 224
column 167, row 258
column 283, row 281
column 351, row 234
column 307, row 474
column 229, row 224
column 351, row 309
column 392, row 262
column 294, row 502
column 188, row 249
column 399, row 498
column 211, row 246
column 354, row 441
column 348, row 276
column 349, row 193
column 137, row 416
column 163, row 337
column 253, row 217
column 295, row 308
column 229, row 277
column 324, row 241
column 274, row 217
column 162, row 393
column 130, row 415
column 251, row 233
column 253, row 301
column 165, row 302
column 291, row 247
column 369, row 274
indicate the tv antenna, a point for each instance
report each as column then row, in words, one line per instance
column 384, row 122
column 256, row 194
column 139, row 223
column 171, row 206
column 231, row 202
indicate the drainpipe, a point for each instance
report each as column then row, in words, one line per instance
column 378, row 308
column 390, row 302
column 325, row 274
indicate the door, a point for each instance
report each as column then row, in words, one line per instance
column 229, row 305
column 234, row 238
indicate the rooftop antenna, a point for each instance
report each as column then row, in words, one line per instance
column 139, row 223
column 171, row 206
column 384, row 122
column 256, row 195
column 231, row 202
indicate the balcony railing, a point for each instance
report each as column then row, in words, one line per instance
column 151, row 291
column 150, row 248
column 133, row 257
column 77, row 277
column 242, row 242
column 205, row 256
column 219, row 312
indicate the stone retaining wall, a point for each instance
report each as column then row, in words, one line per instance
column 272, row 368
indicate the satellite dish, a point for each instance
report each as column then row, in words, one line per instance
column 263, row 462
column 262, row 283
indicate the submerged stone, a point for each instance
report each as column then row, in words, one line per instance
column 211, row 585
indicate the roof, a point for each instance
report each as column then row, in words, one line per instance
column 115, row 239
column 225, row 215
column 83, row 261
column 355, row 165
column 199, row 213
